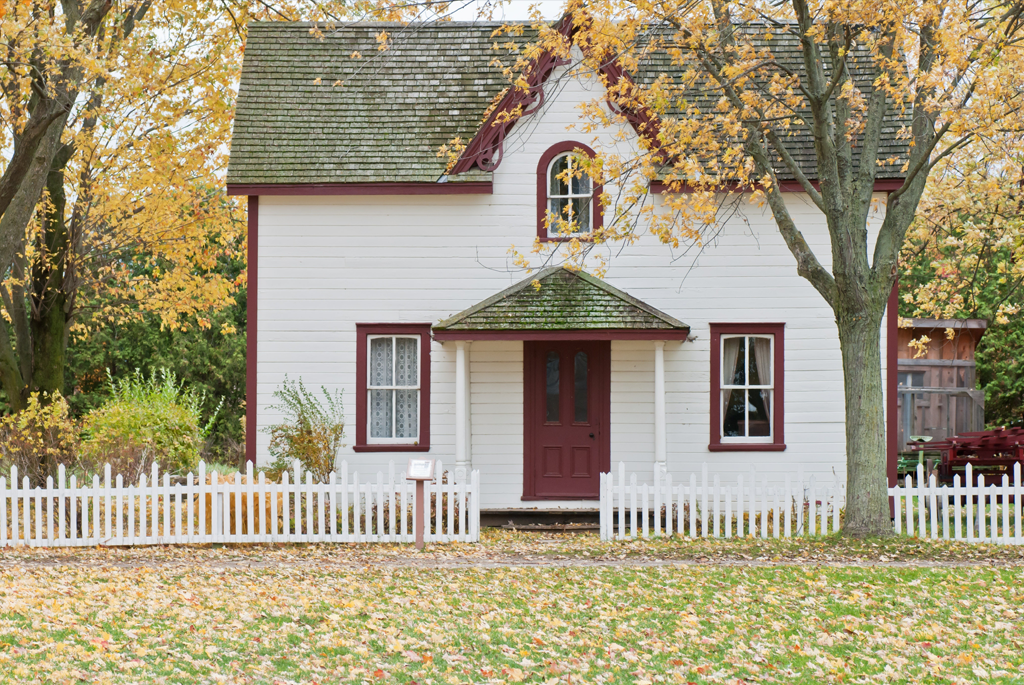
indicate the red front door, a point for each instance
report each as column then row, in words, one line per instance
column 566, row 386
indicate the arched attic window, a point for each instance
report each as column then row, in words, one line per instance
column 566, row 193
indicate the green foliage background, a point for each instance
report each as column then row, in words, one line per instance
column 1000, row 354
column 208, row 361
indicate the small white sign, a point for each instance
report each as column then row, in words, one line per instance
column 420, row 469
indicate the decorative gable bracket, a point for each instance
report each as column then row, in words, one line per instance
column 486, row 149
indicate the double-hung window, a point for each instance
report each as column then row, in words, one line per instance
column 746, row 393
column 393, row 379
column 394, row 388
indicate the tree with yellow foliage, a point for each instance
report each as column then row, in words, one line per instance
column 722, row 117
column 115, row 121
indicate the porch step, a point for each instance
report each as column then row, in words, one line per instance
column 529, row 519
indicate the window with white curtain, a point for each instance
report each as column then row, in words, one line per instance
column 747, row 387
column 393, row 389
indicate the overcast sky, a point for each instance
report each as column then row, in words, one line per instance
column 511, row 9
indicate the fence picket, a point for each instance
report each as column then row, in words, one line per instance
column 656, row 494
column 14, row 505
column 645, row 509
column 1017, row 492
column 739, row 506
column 632, row 506
column 704, row 500
column 1005, row 537
column 728, row 511
column 692, row 511
column 668, row 504
column 716, row 525
column 764, row 508
column 945, row 512
column 788, row 507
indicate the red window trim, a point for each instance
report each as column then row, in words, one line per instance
column 367, row 329
column 542, row 190
column 779, row 421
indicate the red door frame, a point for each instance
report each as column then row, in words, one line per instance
column 534, row 402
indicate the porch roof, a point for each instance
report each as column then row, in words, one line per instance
column 567, row 305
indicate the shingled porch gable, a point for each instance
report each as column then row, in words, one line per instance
column 559, row 303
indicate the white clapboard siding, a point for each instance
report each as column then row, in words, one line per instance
column 967, row 510
column 711, row 507
column 237, row 509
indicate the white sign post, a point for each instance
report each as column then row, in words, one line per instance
column 419, row 470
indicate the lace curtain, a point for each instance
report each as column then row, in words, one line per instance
column 394, row 365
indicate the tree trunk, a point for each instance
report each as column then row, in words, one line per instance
column 867, row 504
column 49, row 299
column 49, row 344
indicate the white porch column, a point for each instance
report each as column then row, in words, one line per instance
column 462, row 405
column 660, row 441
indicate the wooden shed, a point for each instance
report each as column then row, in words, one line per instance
column 941, row 384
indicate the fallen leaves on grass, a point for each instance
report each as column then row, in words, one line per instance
column 303, row 617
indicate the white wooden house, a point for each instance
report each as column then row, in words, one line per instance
column 373, row 271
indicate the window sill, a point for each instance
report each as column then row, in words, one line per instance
column 391, row 448
column 747, row 447
column 583, row 238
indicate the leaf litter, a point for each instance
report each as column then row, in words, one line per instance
column 357, row 614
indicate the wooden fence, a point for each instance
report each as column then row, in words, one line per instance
column 967, row 510
column 713, row 509
column 237, row 509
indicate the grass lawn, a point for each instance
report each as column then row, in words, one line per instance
column 328, row 615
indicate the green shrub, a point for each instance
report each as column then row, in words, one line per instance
column 146, row 420
column 312, row 431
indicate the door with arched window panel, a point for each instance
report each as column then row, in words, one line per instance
column 566, row 440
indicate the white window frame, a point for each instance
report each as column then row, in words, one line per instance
column 370, row 440
column 725, row 389
column 549, row 197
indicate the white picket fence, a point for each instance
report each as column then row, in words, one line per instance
column 713, row 509
column 240, row 509
column 967, row 510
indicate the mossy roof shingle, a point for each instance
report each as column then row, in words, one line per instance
column 311, row 112
column 566, row 300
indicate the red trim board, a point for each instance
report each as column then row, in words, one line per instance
column 302, row 189
column 779, row 419
column 251, row 324
column 596, row 334
column 362, row 331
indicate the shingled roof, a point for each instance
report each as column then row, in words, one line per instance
column 786, row 52
column 565, row 300
column 384, row 122
column 335, row 109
